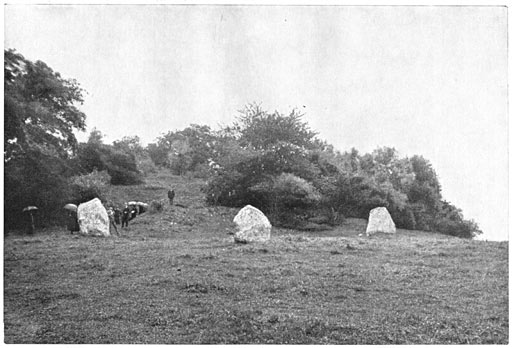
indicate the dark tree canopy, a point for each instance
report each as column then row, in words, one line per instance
column 263, row 130
column 39, row 108
column 40, row 115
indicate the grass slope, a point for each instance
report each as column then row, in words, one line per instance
column 177, row 277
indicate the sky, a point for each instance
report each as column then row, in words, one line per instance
column 426, row 80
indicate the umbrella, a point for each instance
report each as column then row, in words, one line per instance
column 141, row 203
column 29, row 208
column 71, row 207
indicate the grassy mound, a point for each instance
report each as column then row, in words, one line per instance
column 177, row 277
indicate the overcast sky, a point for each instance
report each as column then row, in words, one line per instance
column 426, row 80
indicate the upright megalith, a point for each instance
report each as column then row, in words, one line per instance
column 380, row 221
column 93, row 218
column 252, row 225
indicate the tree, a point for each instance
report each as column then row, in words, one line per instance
column 180, row 157
column 285, row 193
column 262, row 130
column 39, row 108
column 40, row 115
column 184, row 150
column 132, row 145
column 119, row 161
column 159, row 154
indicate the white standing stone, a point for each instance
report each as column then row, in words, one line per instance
column 93, row 218
column 380, row 221
column 252, row 225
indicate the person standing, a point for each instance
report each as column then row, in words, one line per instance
column 125, row 215
column 170, row 195
column 110, row 213
column 117, row 216
column 73, row 222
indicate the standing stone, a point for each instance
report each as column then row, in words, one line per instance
column 380, row 221
column 252, row 225
column 93, row 218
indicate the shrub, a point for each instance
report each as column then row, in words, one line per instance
column 286, row 197
column 403, row 218
column 146, row 166
column 292, row 191
column 39, row 180
column 156, row 207
column 122, row 168
column 226, row 189
column 462, row 228
column 120, row 165
column 89, row 186
column 202, row 171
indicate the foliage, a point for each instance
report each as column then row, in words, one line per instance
column 40, row 115
column 185, row 150
column 270, row 160
column 158, row 154
column 39, row 108
column 284, row 194
column 89, row 186
column 156, row 207
column 261, row 147
column 451, row 221
column 131, row 145
column 118, row 160
column 262, row 130
column 35, row 179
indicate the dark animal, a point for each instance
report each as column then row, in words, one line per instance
column 171, row 195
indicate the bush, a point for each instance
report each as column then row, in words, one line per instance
column 120, row 165
column 292, row 191
column 202, row 171
column 122, row 168
column 89, row 186
column 403, row 218
column 156, row 207
column 227, row 189
column 146, row 166
column 38, row 180
column 462, row 229
column 286, row 197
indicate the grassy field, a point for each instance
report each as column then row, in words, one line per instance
column 178, row 277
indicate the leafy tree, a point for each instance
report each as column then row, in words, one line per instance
column 120, row 165
column 285, row 193
column 132, row 145
column 262, row 130
column 181, row 156
column 40, row 115
column 89, row 186
column 39, row 108
column 184, row 150
column 159, row 154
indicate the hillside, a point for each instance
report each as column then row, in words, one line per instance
column 176, row 277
